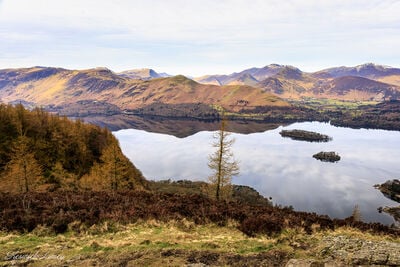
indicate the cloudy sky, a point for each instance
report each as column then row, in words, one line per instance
column 198, row 37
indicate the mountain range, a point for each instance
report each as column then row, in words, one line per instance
column 57, row 87
column 364, row 82
column 273, row 85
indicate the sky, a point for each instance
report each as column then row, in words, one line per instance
column 195, row 38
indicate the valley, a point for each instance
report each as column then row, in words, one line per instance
column 363, row 96
column 85, row 189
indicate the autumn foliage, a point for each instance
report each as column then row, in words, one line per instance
column 42, row 152
column 63, row 210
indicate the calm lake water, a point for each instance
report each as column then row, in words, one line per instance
column 283, row 168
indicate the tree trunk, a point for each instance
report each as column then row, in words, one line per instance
column 25, row 176
column 221, row 149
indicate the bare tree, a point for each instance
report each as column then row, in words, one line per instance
column 222, row 163
column 356, row 214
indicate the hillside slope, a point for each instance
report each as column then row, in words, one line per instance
column 60, row 87
column 41, row 152
column 367, row 82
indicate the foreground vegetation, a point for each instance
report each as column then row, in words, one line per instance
column 182, row 242
column 152, row 229
column 61, row 210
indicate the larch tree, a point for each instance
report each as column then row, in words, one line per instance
column 23, row 172
column 113, row 172
column 222, row 163
column 113, row 165
column 356, row 214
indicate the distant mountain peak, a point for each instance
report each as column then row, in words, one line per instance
column 244, row 79
column 274, row 65
column 367, row 70
column 290, row 72
column 372, row 66
column 101, row 68
column 142, row 74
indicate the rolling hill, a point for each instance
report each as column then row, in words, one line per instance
column 102, row 91
column 57, row 87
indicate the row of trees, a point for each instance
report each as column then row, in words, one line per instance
column 41, row 151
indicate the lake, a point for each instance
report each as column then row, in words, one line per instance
column 283, row 168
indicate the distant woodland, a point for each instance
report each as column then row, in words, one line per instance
column 43, row 152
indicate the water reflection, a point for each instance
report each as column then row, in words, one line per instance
column 176, row 127
column 283, row 168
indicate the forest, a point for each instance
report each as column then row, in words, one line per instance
column 40, row 151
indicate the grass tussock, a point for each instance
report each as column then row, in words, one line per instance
column 180, row 241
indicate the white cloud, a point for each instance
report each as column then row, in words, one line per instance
column 228, row 33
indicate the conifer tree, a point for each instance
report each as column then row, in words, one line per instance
column 113, row 165
column 356, row 214
column 222, row 163
column 113, row 172
column 23, row 172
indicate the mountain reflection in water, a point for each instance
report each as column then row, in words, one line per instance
column 280, row 167
column 177, row 127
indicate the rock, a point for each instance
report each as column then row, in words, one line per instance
column 361, row 257
column 353, row 251
column 312, row 263
column 394, row 259
column 380, row 257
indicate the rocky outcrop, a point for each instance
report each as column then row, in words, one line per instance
column 347, row 251
column 353, row 251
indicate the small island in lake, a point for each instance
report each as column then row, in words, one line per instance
column 391, row 190
column 305, row 135
column 327, row 156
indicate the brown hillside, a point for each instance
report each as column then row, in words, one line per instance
column 392, row 79
column 368, row 82
column 49, row 86
column 322, row 86
column 359, row 88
